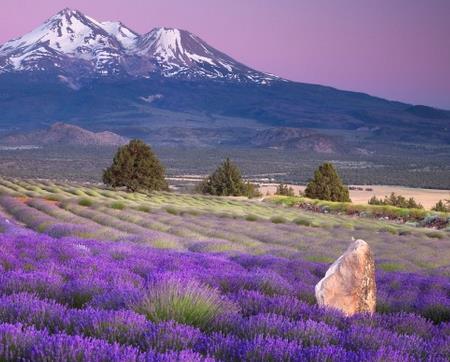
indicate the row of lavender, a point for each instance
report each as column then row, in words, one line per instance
column 71, row 299
column 212, row 233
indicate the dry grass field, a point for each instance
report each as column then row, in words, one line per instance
column 427, row 197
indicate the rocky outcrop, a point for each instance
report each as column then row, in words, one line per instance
column 349, row 284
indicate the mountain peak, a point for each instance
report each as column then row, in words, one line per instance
column 75, row 46
column 179, row 53
column 68, row 12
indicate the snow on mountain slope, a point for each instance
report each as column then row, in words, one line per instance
column 126, row 37
column 76, row 45
column 67, row 36
column 178, row 53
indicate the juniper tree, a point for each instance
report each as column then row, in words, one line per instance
column 226, row 180
column 327, row 185
column 137, row 168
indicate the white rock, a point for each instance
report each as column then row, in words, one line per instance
column 349, row 284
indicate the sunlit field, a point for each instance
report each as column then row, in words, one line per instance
column 88, row 273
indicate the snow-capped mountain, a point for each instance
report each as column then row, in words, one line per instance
column 76, row 46
column 178, row 52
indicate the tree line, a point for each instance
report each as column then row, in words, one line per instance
column 136, row 167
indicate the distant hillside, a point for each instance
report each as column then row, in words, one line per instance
column 64, row 134
column 296, row 138
column 275, row 137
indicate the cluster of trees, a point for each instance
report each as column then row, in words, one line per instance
column 284, row 190
column 396, row 200
column 442, row 206
column 137, row 168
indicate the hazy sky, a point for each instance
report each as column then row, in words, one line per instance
column 396, row 49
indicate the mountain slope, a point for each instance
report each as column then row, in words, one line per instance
column 64, row 134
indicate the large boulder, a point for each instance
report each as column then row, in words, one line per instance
column 349, row 284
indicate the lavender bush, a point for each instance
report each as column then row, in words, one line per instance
column 71, row 299
column 170, row 277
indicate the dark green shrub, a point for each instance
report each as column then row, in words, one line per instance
column 278, row 219
column 117, row 205
column 327, row 185
column 136, row 167
column 302, row 221
column 442, row 206
column 172, row 210
column 397, row 201
column 438, row 313
column 226, row 180
column 251, row 218
column 435, row 235
column 85, row 202
column 144, row 208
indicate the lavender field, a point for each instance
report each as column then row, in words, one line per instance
column 90, row 274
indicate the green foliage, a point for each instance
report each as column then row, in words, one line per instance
column 391, row 267
column 226, row 180
column 302, row 221
column 251, row 190
column 327, row 185
column 184, row 301
column 117, row 205
column 442, row 206
column 136, row 167
column 435, row 235
column 144, row 208
column 397, row 201
column 251, row 218
column 284, row 190
column 85, row 202
column 278, row 219
column 172, row 210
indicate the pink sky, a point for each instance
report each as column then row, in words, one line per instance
column 396, row 49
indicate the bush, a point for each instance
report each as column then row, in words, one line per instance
column 302, row 221
column 117, row 205
column 226, row 180
column 278, row 220
column 172, row 210
column 284, row 190
column 85, row 202
column 136, row 167
column 251, row 218
column 442, row 206
column 397, row 201
column 327, row 185
column 251, row 190
column 184, row 301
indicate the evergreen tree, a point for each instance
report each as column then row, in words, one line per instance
column 136, row 167
column 327, row 185
column 226, row 180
